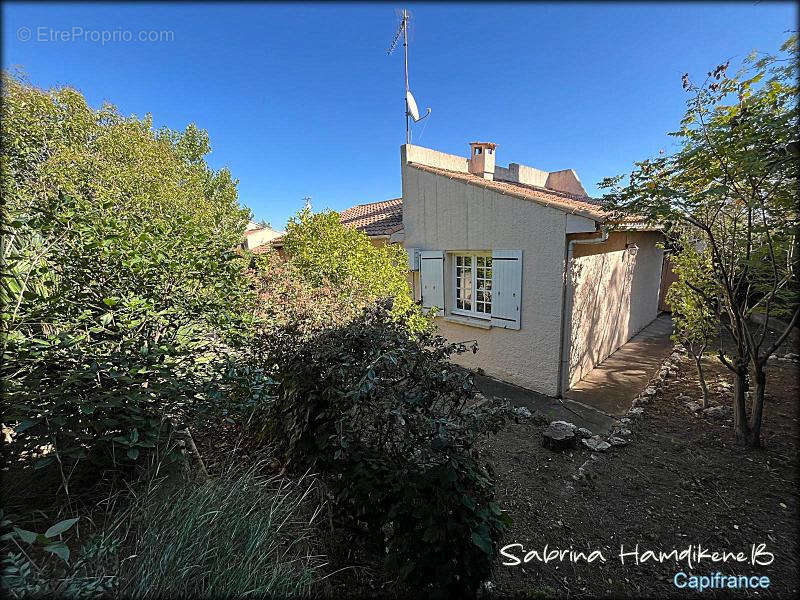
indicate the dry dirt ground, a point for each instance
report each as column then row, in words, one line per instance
column 680, row 481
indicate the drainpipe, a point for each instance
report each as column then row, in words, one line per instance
column 567, row 295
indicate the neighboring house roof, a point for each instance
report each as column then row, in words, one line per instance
column 570, row 203
column 376, row 218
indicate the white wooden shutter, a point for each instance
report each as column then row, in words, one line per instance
column 506, row 288
column 431, row 277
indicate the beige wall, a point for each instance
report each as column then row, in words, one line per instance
column 615, row 296
column 441, row 214
column 258, row 237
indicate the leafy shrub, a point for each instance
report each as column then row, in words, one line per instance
column 391, row 426
column 329, row 256
column 287, row 296
column 31, row 569
column 121, row 295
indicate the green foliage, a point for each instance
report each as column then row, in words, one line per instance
column 121, row 293
column 54, row 573
column 733, row 183
column 390, row 425
column 329, row 255
column 241, row 534
column 696, row 323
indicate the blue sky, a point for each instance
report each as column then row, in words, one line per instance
column 303, row 100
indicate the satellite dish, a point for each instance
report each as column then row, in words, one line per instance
column 411, row 108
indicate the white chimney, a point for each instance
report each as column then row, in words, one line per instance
column 481, row 159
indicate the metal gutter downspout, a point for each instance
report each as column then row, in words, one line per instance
column 567, row 296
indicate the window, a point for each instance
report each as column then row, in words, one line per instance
column 472, row 285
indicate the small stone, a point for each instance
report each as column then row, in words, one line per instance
column 558, row 437
column 624, row 420
column 521, row 411
column 636, row 411
column 617, row 441
column 567, row 424
column 623, row 432
column 596, row 444
column 583, row 433
column 649, row 391
column 693, row 406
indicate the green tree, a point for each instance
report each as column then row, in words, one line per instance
column 326, row 253
column 733, row 181
column 121, row 291
column 696, row 325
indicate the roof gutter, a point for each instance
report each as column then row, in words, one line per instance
column 567, row 299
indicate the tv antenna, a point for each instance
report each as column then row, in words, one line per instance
column 411, row 104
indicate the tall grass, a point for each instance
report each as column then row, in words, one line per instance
column 238, row 534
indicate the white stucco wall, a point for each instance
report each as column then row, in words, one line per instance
column 615, row 296
column 441, row 214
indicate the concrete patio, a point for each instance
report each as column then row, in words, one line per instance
column 606, row 393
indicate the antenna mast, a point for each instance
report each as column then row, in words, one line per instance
column 404, row 25
column 411, row 105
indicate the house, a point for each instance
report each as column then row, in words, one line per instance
column 521, row 260
column 257, row 235
column 525, row 263
column 379, row 220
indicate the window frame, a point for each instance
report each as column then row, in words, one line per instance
column 473, row 312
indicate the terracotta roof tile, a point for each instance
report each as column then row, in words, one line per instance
column 376, row 218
